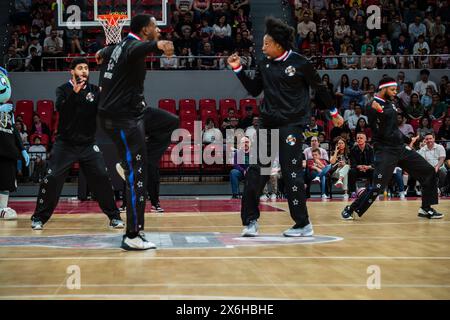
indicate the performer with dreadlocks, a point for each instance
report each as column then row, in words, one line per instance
column 390, row 152
column 286, row 78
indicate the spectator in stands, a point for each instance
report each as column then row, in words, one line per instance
column 235, row 5
column 313, row 129
column 363, row 127
column 251, row 131
column 355, row 11
column 350, row 111
column 186, row 59
column 384, row 44
column 305, row 26
column 35, row 44
column 183, row 6
column 368, row 60
column 222, row 34
column 359, row 30
column 353, row 93
column 340, row 165
column 247, row 120
column 227, row 121
column 317, row 5
column 405, row 95
column 397, row 27
column 424, row 127
column 326, row 81
column 350, row 60
column 421, row 86
column 317, row 169
column 427, row 99
column 241, row 161
column 331, row 63
column 39, row 127
column 341, row 30
column 36, row 150
column 208, row 62
column 211, row 133
column 247, row 61
column 404, row 127
column 419, row 45
column 437, row 28
column 415, row 110
column 168, row 61
column 444, row 130
column 367, row 44
column 53, row 47
column 353, row 119
column 315, row 145
column 19, row 45
column 201, row 9
column 388, row 61
column 33, row 61
column 406, row 61
column 445, row 95
column 12, row 61
column 438, row 109
column 435, row 155
column 36, row 32
column 74, row 36
column 369, row 97
column 22, row 132
column 417, row 28
column 343, row 84
column 400, row 44
column 361, row 161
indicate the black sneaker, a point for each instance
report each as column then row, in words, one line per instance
column 157, row 208
column 116, row 223
column 347, row 213
column 430, row 213
column 36, row 224
column 234, row 196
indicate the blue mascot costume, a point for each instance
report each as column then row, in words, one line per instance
column 11, row 148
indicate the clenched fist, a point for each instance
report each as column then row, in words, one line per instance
column 234, row 61
column 166, row 46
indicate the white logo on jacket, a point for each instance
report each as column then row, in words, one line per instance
column 290, row 71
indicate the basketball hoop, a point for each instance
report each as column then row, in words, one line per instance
column 112, row 24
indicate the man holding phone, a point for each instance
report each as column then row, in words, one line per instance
column 76, row 102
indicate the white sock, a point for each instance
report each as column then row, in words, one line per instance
column 4, row 195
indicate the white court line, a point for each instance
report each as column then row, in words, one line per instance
column 129, row 257
column 226, row 285
column 342, row 224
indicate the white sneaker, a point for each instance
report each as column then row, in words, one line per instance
column 418, row 192
column 316, row 180
column 325, row 197
column 8, row 214
column 306, row 231
column 345, row 197
column 273, row 197
column 120, row 170
column 402, row 195
column 339, row 184
column 251, row 230
column 264, row 198
column 138, row 243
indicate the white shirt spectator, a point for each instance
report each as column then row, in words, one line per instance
column 250, row 132
column 53, row 44
column 304, row 28
column 168, row 62
column 432, row 155
column 421, row 87
column 38, row 150
column 224, row 31
column 406, row 98
column 212, row 135
column 419, row 46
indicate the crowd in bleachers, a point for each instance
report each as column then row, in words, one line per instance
column 203, row 31
column 336, row 35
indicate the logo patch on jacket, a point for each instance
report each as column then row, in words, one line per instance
column 290, row 71
column 291, row 140
column 90, row 97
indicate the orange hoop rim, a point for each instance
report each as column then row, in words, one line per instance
column 112, row 18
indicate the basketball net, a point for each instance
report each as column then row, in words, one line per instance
column 112, row 24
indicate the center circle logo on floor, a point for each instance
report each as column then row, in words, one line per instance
column 291, row 140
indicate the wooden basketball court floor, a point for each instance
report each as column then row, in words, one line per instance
column 410, row 256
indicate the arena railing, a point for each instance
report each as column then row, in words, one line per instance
column 341, row 62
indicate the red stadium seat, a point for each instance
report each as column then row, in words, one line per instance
column 192, row 164
column 168, row 104
column 45, row 109
column 205, row 114
column 25, row 108
column 224, row 105
column 207, row 104
column 188, row 125
column 44, row 138
column 248, row 102
column 187, row 109
column 215, row 168
column 166, row 163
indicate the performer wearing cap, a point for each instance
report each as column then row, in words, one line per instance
column 390, row 152
column 286, row 78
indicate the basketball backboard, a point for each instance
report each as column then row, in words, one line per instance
column 83, row 13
